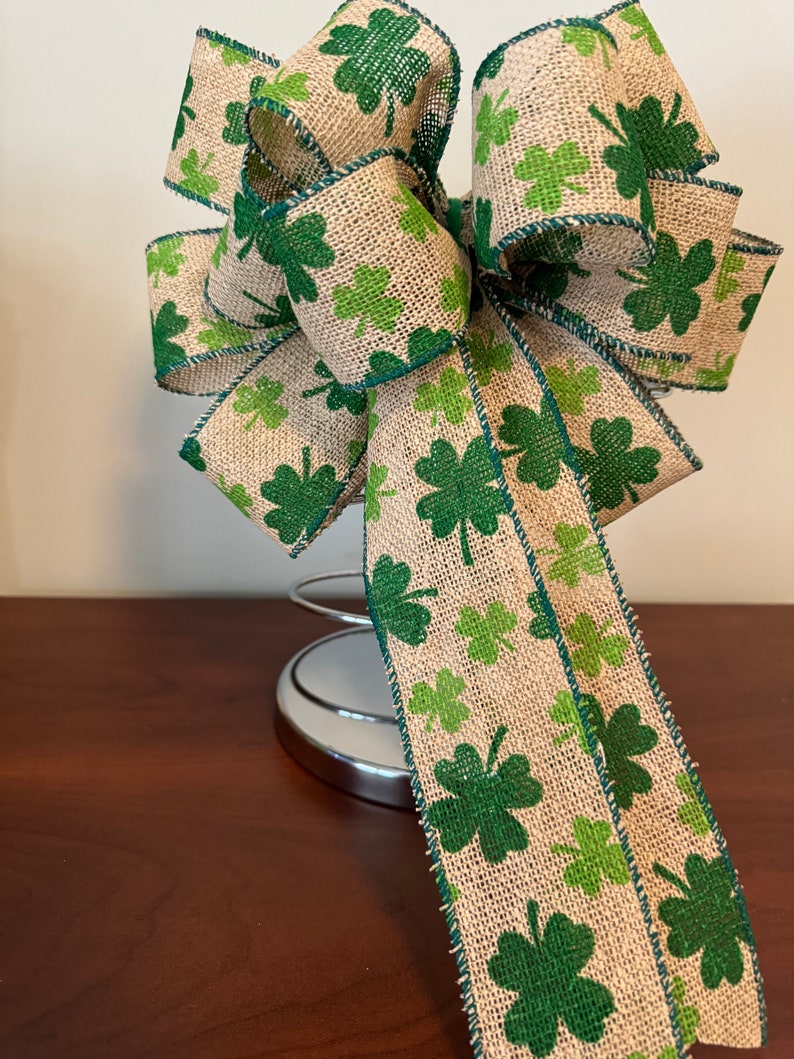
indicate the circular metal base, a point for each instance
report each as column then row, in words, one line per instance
column 335, row 716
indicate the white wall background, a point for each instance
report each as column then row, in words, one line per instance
column 93, row 498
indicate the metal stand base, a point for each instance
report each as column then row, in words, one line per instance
column 335, row 716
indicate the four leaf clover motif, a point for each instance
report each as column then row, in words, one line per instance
column 297, row 247
column 336, row 396
column 666, row 143
column 374, row 491
column 164, row 259
column 196, row 177
column 486, row 633
column 626, row 159
column 463, row 494
column 570, row 388
column 545, row 970
column 623, row 738
column 597, row 645
column 613, row 467
column 378, row 61
column 586, row 39
column 488, row 356
column 573, row 555
column 165, row 328
column 365, row 300
column 666, row 287
column 706, row 919
column 441, row 703
column 222, row 334
column 595, row 858
column 494, row 124
column 260, row 403
column 396, row 610
column 302, row 497
column 536, row 437
column 481, row 797
column 415, row 220
column 450, row 397
column 550, row 174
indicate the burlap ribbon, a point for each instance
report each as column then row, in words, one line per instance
column 477, row 364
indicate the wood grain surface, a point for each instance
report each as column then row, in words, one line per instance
column 173, row 885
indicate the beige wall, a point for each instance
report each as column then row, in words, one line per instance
column 93, row 499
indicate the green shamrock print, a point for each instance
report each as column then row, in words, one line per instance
column 280, row 315
column 440, row 702
column 196, row 177
column 237, row 494
column 455, row 294
column 283, row 90
column 296, row 247
column 221, row 247
column 185, row 112
column 355, row 449
column 571, row 388
column 545, row 970
column 573, row 555
column 665, row 144
column 191, row 453
column 488, row 356
column 235, row 131
column 626, row 159
column 378, row 62
column 633, row 16
column 374, row 491
column 302, row 497
column 690, row 814
column 563, row 712
column 428, row 142
column 481, row 796
column 750, row 303
column 539, row 627
column 250, row 229
column 550, row 174
column 168, row 324
column 487, row 255
column 463, row 495
column 726, row 284
column 622, row 738
column 366, row 301
column 383, row 363
column 596, row 646
column 613, row 467
column 221, row 334
column 422, row 340
column 707, row 918
column 553, row 257
column 688, row 1020
column 372, row 416
column 396, row 610
column 586, row 39
column 666, row 286
column 486, row 633
column 336, row 396
column 716, row 378
column 229, row 55
column 450, row 397
column 535, row 435
column 595, row 858
column 259, row 402
column 494, row 124
column 165, row 259
column 415, row 220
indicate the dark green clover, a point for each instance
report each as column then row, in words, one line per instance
column 168, row 324
column 537, row 438
column 396, row 610
column 750, row 303
column 666, row 143
column 378, row 62
column 626, row 159
column 667, row 286
column 707, row 919
column 545, row 970
column 301, row 497
column 482, row 796
column 336, row 397
column 463, row 494
column 623, row 738
column 614, row 467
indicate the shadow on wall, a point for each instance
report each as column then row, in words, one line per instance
column 8, row 409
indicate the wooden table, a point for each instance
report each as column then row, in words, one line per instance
column 173, row 885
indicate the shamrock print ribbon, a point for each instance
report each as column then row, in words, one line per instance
column 478, row 366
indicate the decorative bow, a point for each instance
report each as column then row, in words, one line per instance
column 477, row 364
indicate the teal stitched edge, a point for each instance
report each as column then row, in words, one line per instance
column 225, row 316
column 615, row 8
column 540, row 303
column 200, row 358
column 368, row 383
column 573, row 220
column 678, row 176
column 653, row 682
column 586, row 335
column 760, row 246
column 565, row 659
column 218, row 38
column 301, row 133
column 179, row 190
column 314, row 528
column 557, row 23
column 469, row 1002
column 182, row 235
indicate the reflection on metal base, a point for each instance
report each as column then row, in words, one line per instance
column 335, row 716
